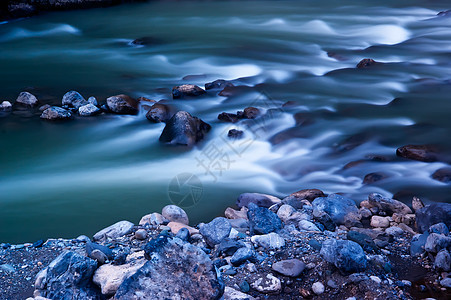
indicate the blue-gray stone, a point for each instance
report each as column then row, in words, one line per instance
column 433, row 214
column 417, row 244
column 347, row 256
column 439, row 228
column 216, row 231
column 262, row 220
column 242, row 255
column 339, row 208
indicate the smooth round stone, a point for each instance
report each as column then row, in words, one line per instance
column 318, row 288
column 141, row 234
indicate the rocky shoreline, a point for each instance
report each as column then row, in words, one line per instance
column 307, row 245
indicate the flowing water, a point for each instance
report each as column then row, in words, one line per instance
column 75, row 177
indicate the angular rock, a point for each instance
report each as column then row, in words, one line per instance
column 446, row 282
column 417, row 152
column 175, row 214
column 227, row 117
column 433, row 214
column 114, row 231
column 232, row 294
column 241, row 225
column 325, row 220
column 68, row 277
column 122, row 104
column 187, row 90
column 88, row 110
column 262, row 200
column 231, row 213
column 218, row 84
column 267, row 284
column 184, row 129
column 176, row 270
column 417, row 203
column 377, row 221
column 417, row 244
column 364, row 240
column 365, row 63
column 242, row 255
column 74, row 99
column 285, row 212
column 436, row 242
column 309, row 194
column 439, row 228
column 443, row 261
column 176, row 227
column 158, row 113
column 56, row 113
column 339, row 208
column 387, row 205
column 347, row 256
column 99, row 256
column 215, row 231
column 269, row 241
column 229, row 246
column 305, row 225
column 262, row 220
column 249, row 113
column 289, row 267
column 235, row 133
column 27, row 99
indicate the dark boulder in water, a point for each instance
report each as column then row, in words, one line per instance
column 249, row 113
column 227, row 117
column 56, row 113
column 366, row 62
column 424, row 153
column 145, row 41
column 374, row 177
column 443, row 175
column 122, row 104
column 158, row 113
column 218, row 84
column 184, row 129
column 235, row 133
column 74, row 99
column 27, row 99
column 187, row 90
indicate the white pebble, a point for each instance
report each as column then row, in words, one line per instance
column 318, row 288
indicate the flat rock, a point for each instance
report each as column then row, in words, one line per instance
column 289, row 267
column 305, row 225
column 387, row 205
column 309, row 194
column 114, row 231
column 262, row 200
column 423, row 153
column 269, row 241
column 175, row 214
column 378, row 221
column 218, row 84
column 176, row 227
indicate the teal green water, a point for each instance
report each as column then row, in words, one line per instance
column 67, row 179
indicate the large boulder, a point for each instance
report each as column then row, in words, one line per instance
column 27, row 99
column 158, row 113
column 122, row 104
column 114, row 231
column 339, row 208
column 387, row 205
column 56, row 113
column 262, row 220
column 262, row 200
column 68, row 277
column 424, row 153
column 74, row 99
column 175, row 270
column 433, row 214
column 184, row 129
column 216, row 231
column 347, row 256
column 442, row 174
column 436, row 242
column 186, row 90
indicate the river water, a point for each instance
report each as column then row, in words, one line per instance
column 76, row 177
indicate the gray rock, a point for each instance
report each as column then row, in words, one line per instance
column 378, row 221
column 28, row 99
column 289, row 267
column 6, row 106
column 262, row 200
column 68, row 277
column 187, row 90
column 347, row 256
column 74, row 99
column 262, row 220
column 242, row 225
column 318, row 288
column 184, row 129
column 417, row 244
column 141, row 234
column 436, row 242
column 285, row 212
column 394, row 231
column 176, row 270
column 443, row 261
column 93, row 101
column 267, row 284
column 183, row 234
column 387, row 205
column 99, row 256
column 339, row 208
column 305, row 225
column 56, row 113
column 446, row 282
column 90, row 247
column 358, row 277
column 232, row 294
column 433, row 214
column 417, row 203
column 158, row 113
column 229, row 246
column 116, row 230
column 153, row 219
column 88, row 110
column 175, row 214
column 325, row 220
column 242, row 255
column 439, row 228
column 269, row 241
column 364, row 240
column 215, row 231
column 218, row 84
column 122, row 104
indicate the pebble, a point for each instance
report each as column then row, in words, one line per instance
column 318, row 288
column 141, row 234
column 376, row 279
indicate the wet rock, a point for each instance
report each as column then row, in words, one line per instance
column 339, row 208
column 27, row 99
column 289, row 267
column 235, row 133
column 176, row 270
column 443, row 175
column 122, row 104
column 88, row 110
column 262, row 200
column 218, row 84
column 347, row 256
column 305, row 225
column 68, row 277
column 377, row 221
column 424, row 153
column 325, row 220
column 365, row 63
column 309, row 194
column 269, row 241
column 74, row 99
column 216, row 231
column 443, row 261
column 262, row 220
column 364, row 240
column 436, row 242
column 153, row 219
column 56, row 113
column 141, row 234
column 232, row 294
column 93, row 101
column 6, row 106
column 110, row 277
column 227, row 117
column 114, row 231
column 242, row 255
column 175, row 214
column 374, row 177
column 145, row 41
column 417, row 244
column 187, row 90
column 417, row 203
column 318, row 288
column 433, row 214
column 267, row 284
column 184, row 129
column 158, row 113
column 249, row 113
column 439, row 228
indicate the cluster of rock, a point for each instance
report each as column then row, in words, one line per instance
column 305, row 245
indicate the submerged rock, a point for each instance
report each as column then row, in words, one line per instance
column 122, row 104
column 187, row 90
column 56, row 113
column 158, row 113
column 74, row 99
column 27, row 99
column 184, row 129
column 235, row 134
column 347, row 256
column 227, row 117
column 443, row 175
column 424, row 153
column 365, row 63
column 218, row 84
